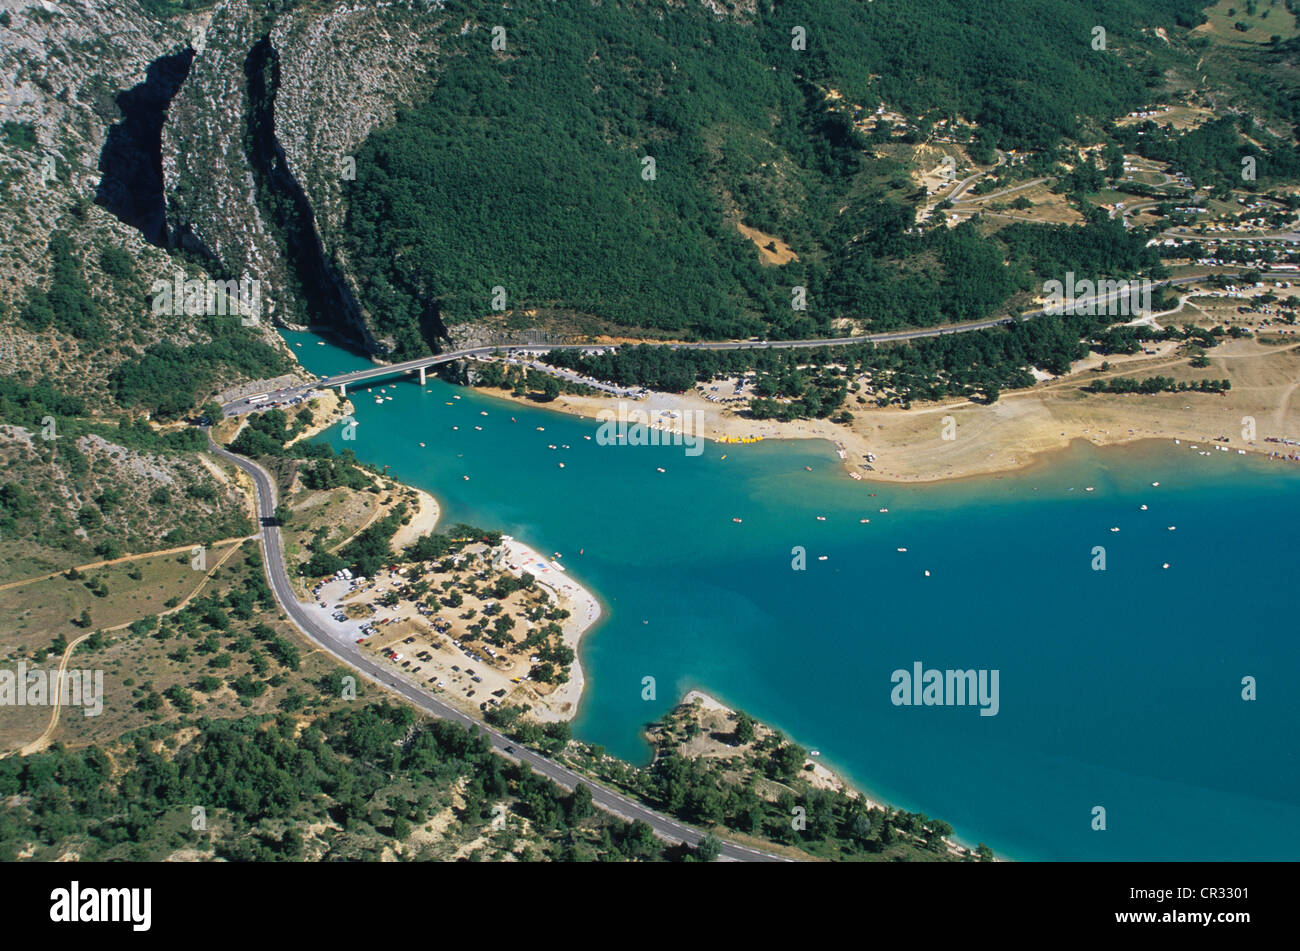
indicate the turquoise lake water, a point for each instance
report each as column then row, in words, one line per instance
column 1118, row 688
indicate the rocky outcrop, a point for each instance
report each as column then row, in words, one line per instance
column 212, row 205
column 61, row 68
column 83, row 87
column 264, row 132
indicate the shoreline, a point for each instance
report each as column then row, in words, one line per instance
column 825, row 777
column 1018, row 463
column 1022, row 430
column 447, row 662
column 424, row 520
column 584, row 609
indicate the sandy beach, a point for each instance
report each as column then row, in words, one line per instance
column 584, row 612
column 423, row 520
column 326, row 408
column 1023, row 426
column 821, row 778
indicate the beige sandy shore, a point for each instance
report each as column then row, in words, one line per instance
column 463, row 673
column 326, row 408
column 423, row 520
column 822, row 777
column 584, row 612
column 1023, row 426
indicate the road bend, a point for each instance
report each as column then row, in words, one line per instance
column 670, row 830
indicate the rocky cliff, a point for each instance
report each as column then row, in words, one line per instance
column 262, row 133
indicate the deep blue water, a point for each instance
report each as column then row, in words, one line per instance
column 1119, row 689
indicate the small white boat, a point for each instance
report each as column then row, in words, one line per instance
column 821, row 557
column 902, row 549
column 660, row 469
column 821, row 518
column 1143, row 509
column 1115, row 529
column 1165, row 566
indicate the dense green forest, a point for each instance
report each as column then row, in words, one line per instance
column 817, row 380
column 526, row 168
column 370, row 774
column 168, row 379
column 1212, row 154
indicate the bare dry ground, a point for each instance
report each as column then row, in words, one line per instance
column 771, row 250
column 38, row 612
column 908, row 445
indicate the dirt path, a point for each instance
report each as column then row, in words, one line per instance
column 125, row 558
column 42, row 741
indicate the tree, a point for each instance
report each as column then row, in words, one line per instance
column 744, row 728
column 579, row 805
column 785, row 761
column 709, row 848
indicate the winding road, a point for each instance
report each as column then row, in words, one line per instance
column 277, row 574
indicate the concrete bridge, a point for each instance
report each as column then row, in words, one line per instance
column 421, row 365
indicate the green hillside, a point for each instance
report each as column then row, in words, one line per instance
column 526, row 170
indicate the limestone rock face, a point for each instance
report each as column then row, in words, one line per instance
column 266, row 128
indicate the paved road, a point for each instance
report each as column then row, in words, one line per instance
column 960, row 203
column 350, row 654
column 1290, row 237
column 295, row 394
